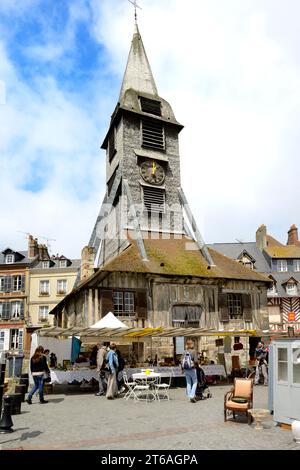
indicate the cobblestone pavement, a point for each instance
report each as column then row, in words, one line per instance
column 84, row 421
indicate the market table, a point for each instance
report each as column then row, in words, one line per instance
column 176, row 371
column 69, row 376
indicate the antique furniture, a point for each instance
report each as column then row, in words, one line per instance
column 239, row 398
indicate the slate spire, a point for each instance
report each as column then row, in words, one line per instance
column 138, row 74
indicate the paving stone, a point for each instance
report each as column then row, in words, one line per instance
column 84, row 421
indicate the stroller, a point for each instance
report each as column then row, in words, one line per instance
column 202, row 386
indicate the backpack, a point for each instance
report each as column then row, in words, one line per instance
column 187, row 361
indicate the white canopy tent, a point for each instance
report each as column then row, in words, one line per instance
column 109, row 321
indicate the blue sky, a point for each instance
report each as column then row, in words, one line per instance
column 230, row 71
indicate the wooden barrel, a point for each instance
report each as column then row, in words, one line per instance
column 24, row 381
column 22, row 389
column 1, row 395
column 2, row 373
column 15, row 404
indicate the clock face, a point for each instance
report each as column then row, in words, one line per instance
column 152, row 172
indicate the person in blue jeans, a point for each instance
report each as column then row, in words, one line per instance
column 38, row 367
column 188, row 366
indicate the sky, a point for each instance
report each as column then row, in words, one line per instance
column 231, row 71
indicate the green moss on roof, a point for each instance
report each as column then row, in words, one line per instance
column 181, row 258
column 290, row 251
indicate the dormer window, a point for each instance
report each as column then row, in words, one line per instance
column 291, row 288
column 272, row 290
column 45, row 264
column 150, row 106
column 282, row 265
column 9, row 259
column 63, row 263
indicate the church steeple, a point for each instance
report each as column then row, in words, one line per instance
column 138, row 74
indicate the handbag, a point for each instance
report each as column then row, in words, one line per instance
column 47, row 377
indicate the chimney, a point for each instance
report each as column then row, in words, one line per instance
column 87, row 262
column 32, row 247
column 261, row 237
column 293, row 236
column 43, row 252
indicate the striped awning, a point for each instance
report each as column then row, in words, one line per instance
column 162, row 331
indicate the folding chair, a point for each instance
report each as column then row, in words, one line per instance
column 162, row 389
column 130, row 385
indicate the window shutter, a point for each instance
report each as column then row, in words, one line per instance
column 111, row 144
column 107, row 303
column 6, row 311
column 154, row 199
column 23, row 283
column 22, row 310
column 247, row 307
column 150, row 106
column 153, row 134
column 8, row 284
column 223, row 308
column 141, row 305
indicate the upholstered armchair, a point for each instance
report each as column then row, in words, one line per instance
column 239, row 398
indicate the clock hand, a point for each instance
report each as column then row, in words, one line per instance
column 153, row 168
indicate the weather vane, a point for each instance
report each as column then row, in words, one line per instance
column 134, row 3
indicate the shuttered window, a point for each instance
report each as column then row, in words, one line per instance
column 111, row 144
column 154, row 199
column 5, row 309
column 153, row 134
column 150, row 106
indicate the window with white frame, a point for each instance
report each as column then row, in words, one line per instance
column 124, row 303
column 17, row 283
column 63, row 263
column 45, row 264
column 44, row 287
column 272, row 290
column 1, row 309
column 297, row 265
column 9, row 259
column 282, row 265
column 2, row 340
column 16, row 339
column 62, row 286
column 291, row 288
column 2, row 282
column 16, row 309
column 43, row 313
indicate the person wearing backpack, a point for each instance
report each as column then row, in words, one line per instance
column 188, row 359
column 112, row 358
column 102, row 369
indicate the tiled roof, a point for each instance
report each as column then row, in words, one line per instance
column 271, row 241
column 233, row 250
column 24, row 260
column 290, row 251
column 179, row 258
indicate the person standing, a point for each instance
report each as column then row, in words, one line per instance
column 102, row 369
column 38, row 367
column 121, row 362
column 112, row 358
column 261, row 355
column 188, row 366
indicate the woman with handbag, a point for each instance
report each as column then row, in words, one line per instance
column 38, row 367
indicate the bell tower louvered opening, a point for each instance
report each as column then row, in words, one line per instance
column 150, row 106
column 154, row 199
column 153, row 134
